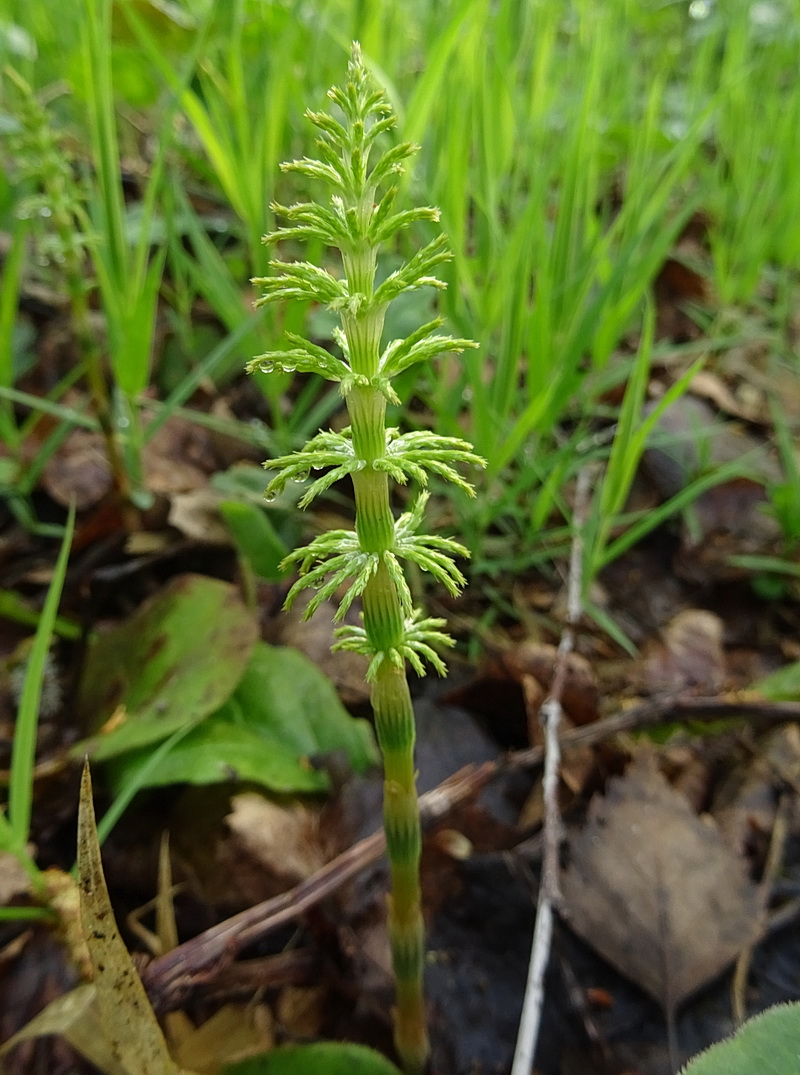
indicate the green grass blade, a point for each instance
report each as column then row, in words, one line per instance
column 48, row 406
column 23, row 753
column 9, row 295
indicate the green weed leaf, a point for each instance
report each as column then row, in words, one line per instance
column 256, row 538
column 175, row 661
column 768, row 1044
column 782, row 685
column 283, row 713
column 325, row 1058
column 219, row 751
column 283, row 694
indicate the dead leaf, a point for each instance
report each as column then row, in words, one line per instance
column 79, row 471
column 732, row 519
column 690, row 437
column 75, row 1016
column 537, row 660
column 14, row 881
column 127, row 1018
column 301, row 1010
column 654, row 889
column 745, row 805
column 710, row 386
column 178, row 457
column 63, row 896
column 233, row 1033
column 314, row 637
column 689, row 656
column 110, row 1021
column 196, row 515
column 165, row 937
column 675, row 285
column 283, row 840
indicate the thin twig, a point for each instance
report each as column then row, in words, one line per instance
column 777, row 846
column 549, row 890
column 669, row 709
column 171, row 977
column 200, row 960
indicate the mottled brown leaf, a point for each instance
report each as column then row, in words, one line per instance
column 654, row 889
column 74, row 1015
column 79, row 471
column 234, row 1032
column 579, row 694
column 689, row 656
column 128, row 1020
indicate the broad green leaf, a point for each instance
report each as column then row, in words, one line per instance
column 283, row 712
column 219, row 751
column 768, row 1044
column 782, row 685
column 175, row 661
column 325, row 1058
column 256, row 538
column 125, row 1013
column 285, row 696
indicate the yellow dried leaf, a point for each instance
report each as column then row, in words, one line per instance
column 76, row 1017
column 128, row 1019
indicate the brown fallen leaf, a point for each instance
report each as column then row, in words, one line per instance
column 301, row 1010
column 178, row 457
column 655, row 890
column 732, row 519
column 675, row 285
column 234, row 1032
column 196, row 515
column 283, row 841
column 128, row 1020
column 690, row 437
column 689, row 655
column 537, row 660
column 76, row 1016
column 14, row 881
column 746, row 803
column 710, row 386
column 79, row 471
column 315, row 636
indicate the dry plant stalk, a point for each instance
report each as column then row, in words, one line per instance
column 549, row 890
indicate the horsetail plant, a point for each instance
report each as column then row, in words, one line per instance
column 366, row 562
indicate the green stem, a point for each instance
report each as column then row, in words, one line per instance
column 98, row 390
column 87, row 346
column 394, row 723
column 358, row 222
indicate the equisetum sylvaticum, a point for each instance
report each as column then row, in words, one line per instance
column 360, row 165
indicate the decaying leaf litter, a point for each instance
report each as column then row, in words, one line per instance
column 170, row 640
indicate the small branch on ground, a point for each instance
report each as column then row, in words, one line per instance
column 201, row 960
column 772, row 867
column 170, row 978
column 670, row 709
column 549, row 890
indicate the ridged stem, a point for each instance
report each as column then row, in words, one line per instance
column 390, row 696
column 394, row 722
